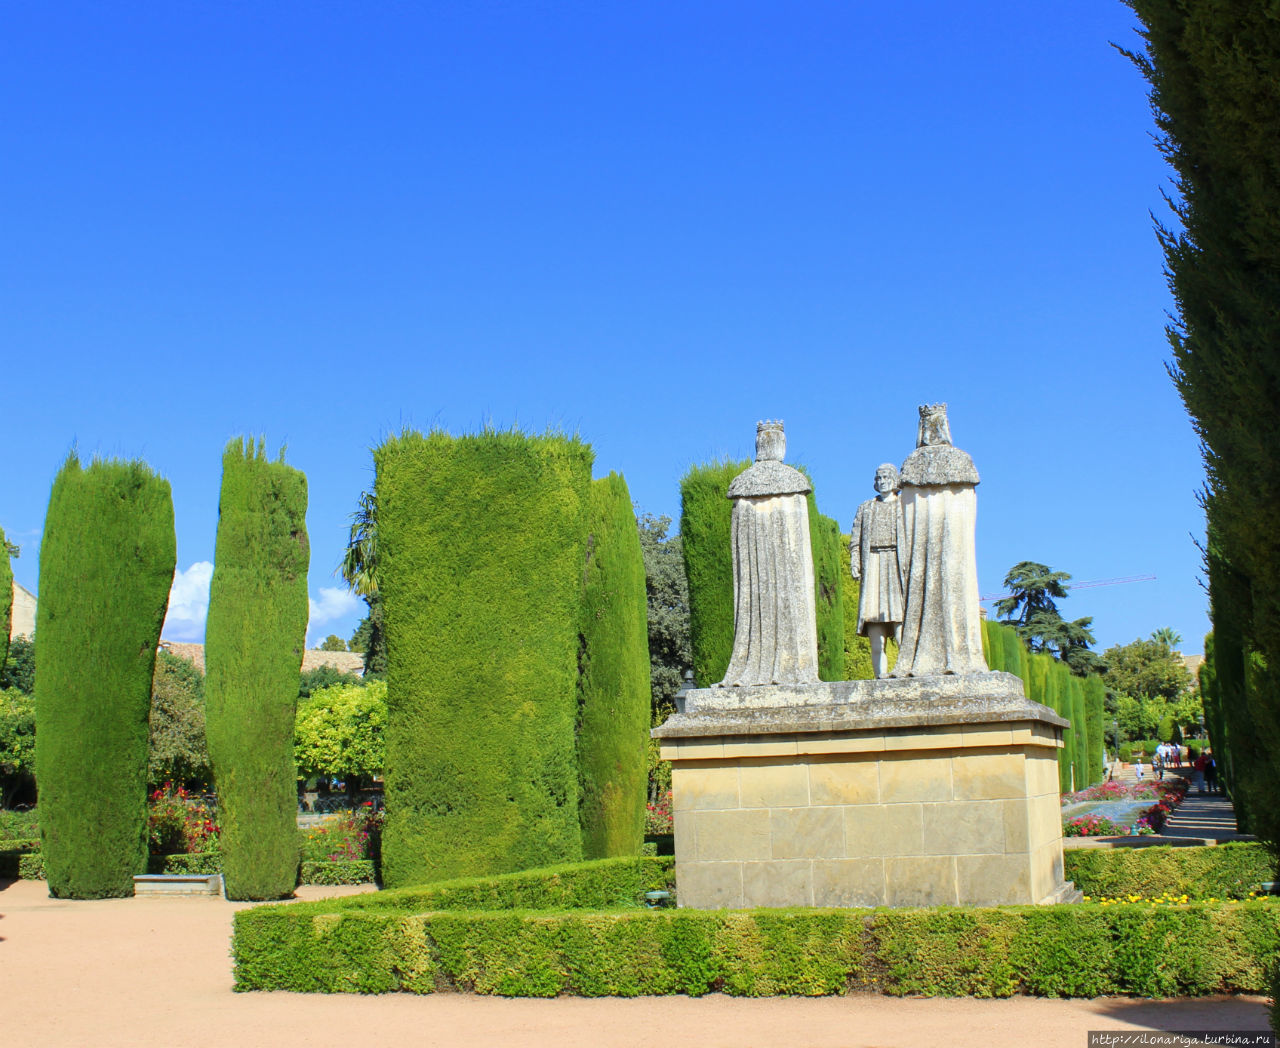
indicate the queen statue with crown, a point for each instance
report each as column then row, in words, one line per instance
column 775, row 636
column 941, row 624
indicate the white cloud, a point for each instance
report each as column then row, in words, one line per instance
column 189, row 607
column 188, row 603
column 333, row 604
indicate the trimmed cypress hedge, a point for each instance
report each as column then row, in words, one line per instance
column 106, row 566
column 254, row 639
column 613, row 678
column 6, row 599
column 1095, row 693
column 1223, row 871
column 825, row 541
column 481, row 547
column 706, row 535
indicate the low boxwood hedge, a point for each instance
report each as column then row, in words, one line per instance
column 26, row 863
column 1224, row 871
column 1084, row 951
column 344, row 871
column 581, row 929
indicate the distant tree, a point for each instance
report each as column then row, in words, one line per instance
column 668, row 609
column 339, row 733
column 17, row 745
column 1146, row 669
column 1167, row 636
column 178, row 751
column 333, row 643
column 359, row 640
column 20, row 668
column 324, row 677
column 1031, row 608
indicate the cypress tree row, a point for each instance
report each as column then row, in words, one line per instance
column 613, row 680
column 825, row 541
column 995, row 662
column 106, row 566
column 254, row 639
column 1095, row 694
column 6, row 598
column 706, row 531
column 1080, row 722
column 482, row 541
column 1015, row 652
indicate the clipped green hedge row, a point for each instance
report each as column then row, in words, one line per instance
column 344, row 871
column 599, row 885
column 27, row 864
column 1224, row 871
column 1077, row 951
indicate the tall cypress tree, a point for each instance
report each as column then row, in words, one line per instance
column 254, row 638
column 1213, row 68
column 706, row 535
column 613, row 678
column 106, row 567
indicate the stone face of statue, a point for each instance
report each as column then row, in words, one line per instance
column 886, row 481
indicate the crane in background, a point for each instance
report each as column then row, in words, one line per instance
column 1081, row 585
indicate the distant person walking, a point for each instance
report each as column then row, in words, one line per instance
column 1137, row 769
column 1211, row 771
column 1201, row 767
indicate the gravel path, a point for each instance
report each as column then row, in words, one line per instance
column 156, row 972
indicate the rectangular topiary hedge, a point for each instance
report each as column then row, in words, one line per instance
column 1223, row 871
column 481, row 547
column 1081, row 951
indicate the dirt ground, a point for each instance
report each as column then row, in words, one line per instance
column 157, row 972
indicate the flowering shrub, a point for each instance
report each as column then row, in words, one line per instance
column 1167, row 795
column 351, row 835
column 178, row 823
column 1094, row 826
column 657, row 816
column 1164, row 899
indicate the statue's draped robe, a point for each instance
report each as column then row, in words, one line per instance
column 874, row 536
column 775, row 636
column 941, row 625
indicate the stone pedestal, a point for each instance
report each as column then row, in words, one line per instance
column 918, row 792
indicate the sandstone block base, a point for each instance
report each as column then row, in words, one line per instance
column 873, row 803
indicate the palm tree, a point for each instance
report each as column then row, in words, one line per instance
column 1167, row 636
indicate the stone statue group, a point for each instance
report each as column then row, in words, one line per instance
column 911, row 547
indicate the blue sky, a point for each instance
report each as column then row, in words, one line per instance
column 652, row 224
